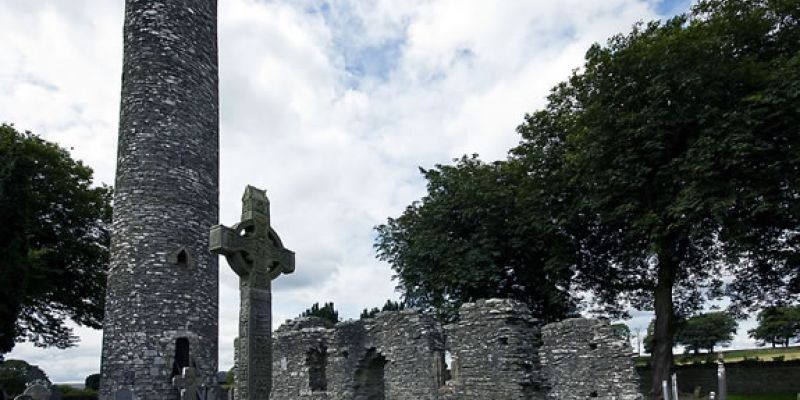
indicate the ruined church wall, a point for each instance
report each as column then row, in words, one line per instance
column 411, row 344
column 496, row 351
column 293, row 346
column 584, row 358
column 392, row 353
column 494, row 347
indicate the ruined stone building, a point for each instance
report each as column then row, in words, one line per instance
column 496, row 351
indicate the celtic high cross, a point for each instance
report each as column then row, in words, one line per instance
column 255, row 253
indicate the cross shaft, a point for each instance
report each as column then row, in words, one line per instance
column 256, row 254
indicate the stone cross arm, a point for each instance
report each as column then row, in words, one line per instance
column 229, row 243
column 283, row 262
column 252, row 245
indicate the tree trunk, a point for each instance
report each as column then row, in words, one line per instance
column 662, row 358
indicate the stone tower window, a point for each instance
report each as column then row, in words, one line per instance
column 183, row 258
column 369, row 383
column 180, row 257
column 316, row 361
column 182, row 356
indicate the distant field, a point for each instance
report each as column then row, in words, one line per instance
column 732, row 356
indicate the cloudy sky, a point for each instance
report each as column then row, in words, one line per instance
column 329, row 105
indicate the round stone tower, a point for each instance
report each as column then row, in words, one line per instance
column 162, row 302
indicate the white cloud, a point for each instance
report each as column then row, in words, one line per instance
column 329, row 106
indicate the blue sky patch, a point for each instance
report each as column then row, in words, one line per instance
column 672, row 7
column 372, row 61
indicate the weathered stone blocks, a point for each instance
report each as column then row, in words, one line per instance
column 585, row 358
column 162, row 299
column 494, row 352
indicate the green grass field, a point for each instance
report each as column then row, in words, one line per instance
column 732, row 356
column 770, row 396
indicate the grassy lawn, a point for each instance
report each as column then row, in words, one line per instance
column 767, row 396
column 788, row 396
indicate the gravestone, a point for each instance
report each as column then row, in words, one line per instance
column 37, row 391
column 186, row 382
column 722, row 385
column 255, row 253
column 55, row 393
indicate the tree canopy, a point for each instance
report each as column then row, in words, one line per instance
column 671, row 157
column 473, row 237
column 327, row 312
column 54, row 239
column 777, row 325
column 705, row 331
column 13, row 377
column 667, row 161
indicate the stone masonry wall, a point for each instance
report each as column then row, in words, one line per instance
column 292, row 344
column 493, row 350
column 391, row 355
column 583, row 358
column 162, row 296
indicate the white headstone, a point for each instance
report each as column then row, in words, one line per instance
column 675, row 386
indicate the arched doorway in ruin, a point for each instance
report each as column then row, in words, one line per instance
column 316, row 362
column 368, row 382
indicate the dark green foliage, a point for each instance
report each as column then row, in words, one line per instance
column 705, row 331
column 777, row 325
column 475, row 235
column 326, row 312
column 647, row 342
column 54, row 240
column 388, row 306
column 92, row 382
column 230, row 378
column 621, row 330
column 672, row 156
column 70, row 393
column 13, row 375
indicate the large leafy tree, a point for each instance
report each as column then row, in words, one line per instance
column 777, row 325
column 707, row 330
column 54, row 240
column 475, row 235
column 672, row 157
